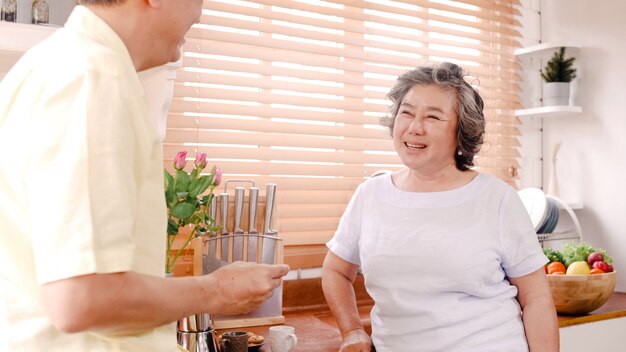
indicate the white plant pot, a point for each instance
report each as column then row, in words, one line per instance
column 556, row 93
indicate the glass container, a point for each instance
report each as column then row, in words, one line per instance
column 39, row 12
column 8, row 12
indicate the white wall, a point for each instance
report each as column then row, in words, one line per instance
column 592, row 160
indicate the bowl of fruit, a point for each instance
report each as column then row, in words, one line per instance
column 581, row 278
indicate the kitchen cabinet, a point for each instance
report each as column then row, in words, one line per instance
column 605, row 335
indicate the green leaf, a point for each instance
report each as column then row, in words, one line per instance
column 207, row 199
column 194, row 219
column 183, row 210
column 199, row 185
column 172, row 227
column 168, row 181
column 194, row 174
column 182, row 181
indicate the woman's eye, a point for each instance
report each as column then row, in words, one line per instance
column 434, row 117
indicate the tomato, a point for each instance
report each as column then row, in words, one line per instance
column 558, row 273
column 555, row 266
column 596, row 271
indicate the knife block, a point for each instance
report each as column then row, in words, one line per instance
column 214, row 257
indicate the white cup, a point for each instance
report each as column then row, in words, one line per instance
column 283, row 338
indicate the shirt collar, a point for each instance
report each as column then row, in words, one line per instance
column 87, row 22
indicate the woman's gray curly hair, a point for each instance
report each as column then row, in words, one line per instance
column 471, row 125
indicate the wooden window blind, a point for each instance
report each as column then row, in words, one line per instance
column 290, row 92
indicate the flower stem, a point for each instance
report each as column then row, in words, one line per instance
column 170, row 267
column 170, row 241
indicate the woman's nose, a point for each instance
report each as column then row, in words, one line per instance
column 417, row 125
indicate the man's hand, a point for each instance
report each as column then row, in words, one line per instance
column 242, row 287
column 356, row 341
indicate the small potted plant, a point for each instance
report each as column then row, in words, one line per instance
column 557, row 74
column 188, row 196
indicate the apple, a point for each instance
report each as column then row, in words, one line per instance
column 610, row 268
column 578, row 268
column 595, row 257
column 601, row 265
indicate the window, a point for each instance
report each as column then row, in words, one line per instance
column 290, row 92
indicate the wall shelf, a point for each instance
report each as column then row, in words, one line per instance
column 17, row 38
column 545, row 50
column 549, row 111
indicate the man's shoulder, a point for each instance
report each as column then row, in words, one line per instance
column 67, row 51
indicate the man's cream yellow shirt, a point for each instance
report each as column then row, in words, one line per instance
column 81, row 182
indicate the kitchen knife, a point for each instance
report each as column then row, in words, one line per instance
column 269, row 245
column 252, row 231
column 224, row 216
column 237, row 229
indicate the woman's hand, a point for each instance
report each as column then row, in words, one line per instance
column 356, row 341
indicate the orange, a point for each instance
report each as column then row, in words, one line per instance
column 555, row 266
column 596, row 271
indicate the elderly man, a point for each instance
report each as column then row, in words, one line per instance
column 82, row 211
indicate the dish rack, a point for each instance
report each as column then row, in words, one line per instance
column 574, row 233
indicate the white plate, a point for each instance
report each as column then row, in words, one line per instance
column 536, row 205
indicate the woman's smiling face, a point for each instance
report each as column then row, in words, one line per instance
column 425, row 129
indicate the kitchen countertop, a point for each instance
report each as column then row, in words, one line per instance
column 317, row 331
column 615, row 307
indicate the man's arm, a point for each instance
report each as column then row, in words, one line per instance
column 130, row 302
column 538, row 312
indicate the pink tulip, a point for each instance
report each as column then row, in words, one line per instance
column 200, row 161
column 180, row 161
column 218, row 177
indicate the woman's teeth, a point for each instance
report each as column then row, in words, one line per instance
column 415, row 146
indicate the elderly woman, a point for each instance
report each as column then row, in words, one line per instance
column 449, row 255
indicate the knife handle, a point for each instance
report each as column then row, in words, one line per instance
column 239, row 195
column 224, row 212
column 213, row 208
column 269, row 208
column 254, row 198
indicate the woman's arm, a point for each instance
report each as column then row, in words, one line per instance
column 538, row 312
column 337, row 278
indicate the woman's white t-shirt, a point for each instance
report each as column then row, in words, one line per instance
column 436, row 264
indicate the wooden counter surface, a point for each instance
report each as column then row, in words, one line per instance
column 615, row 307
